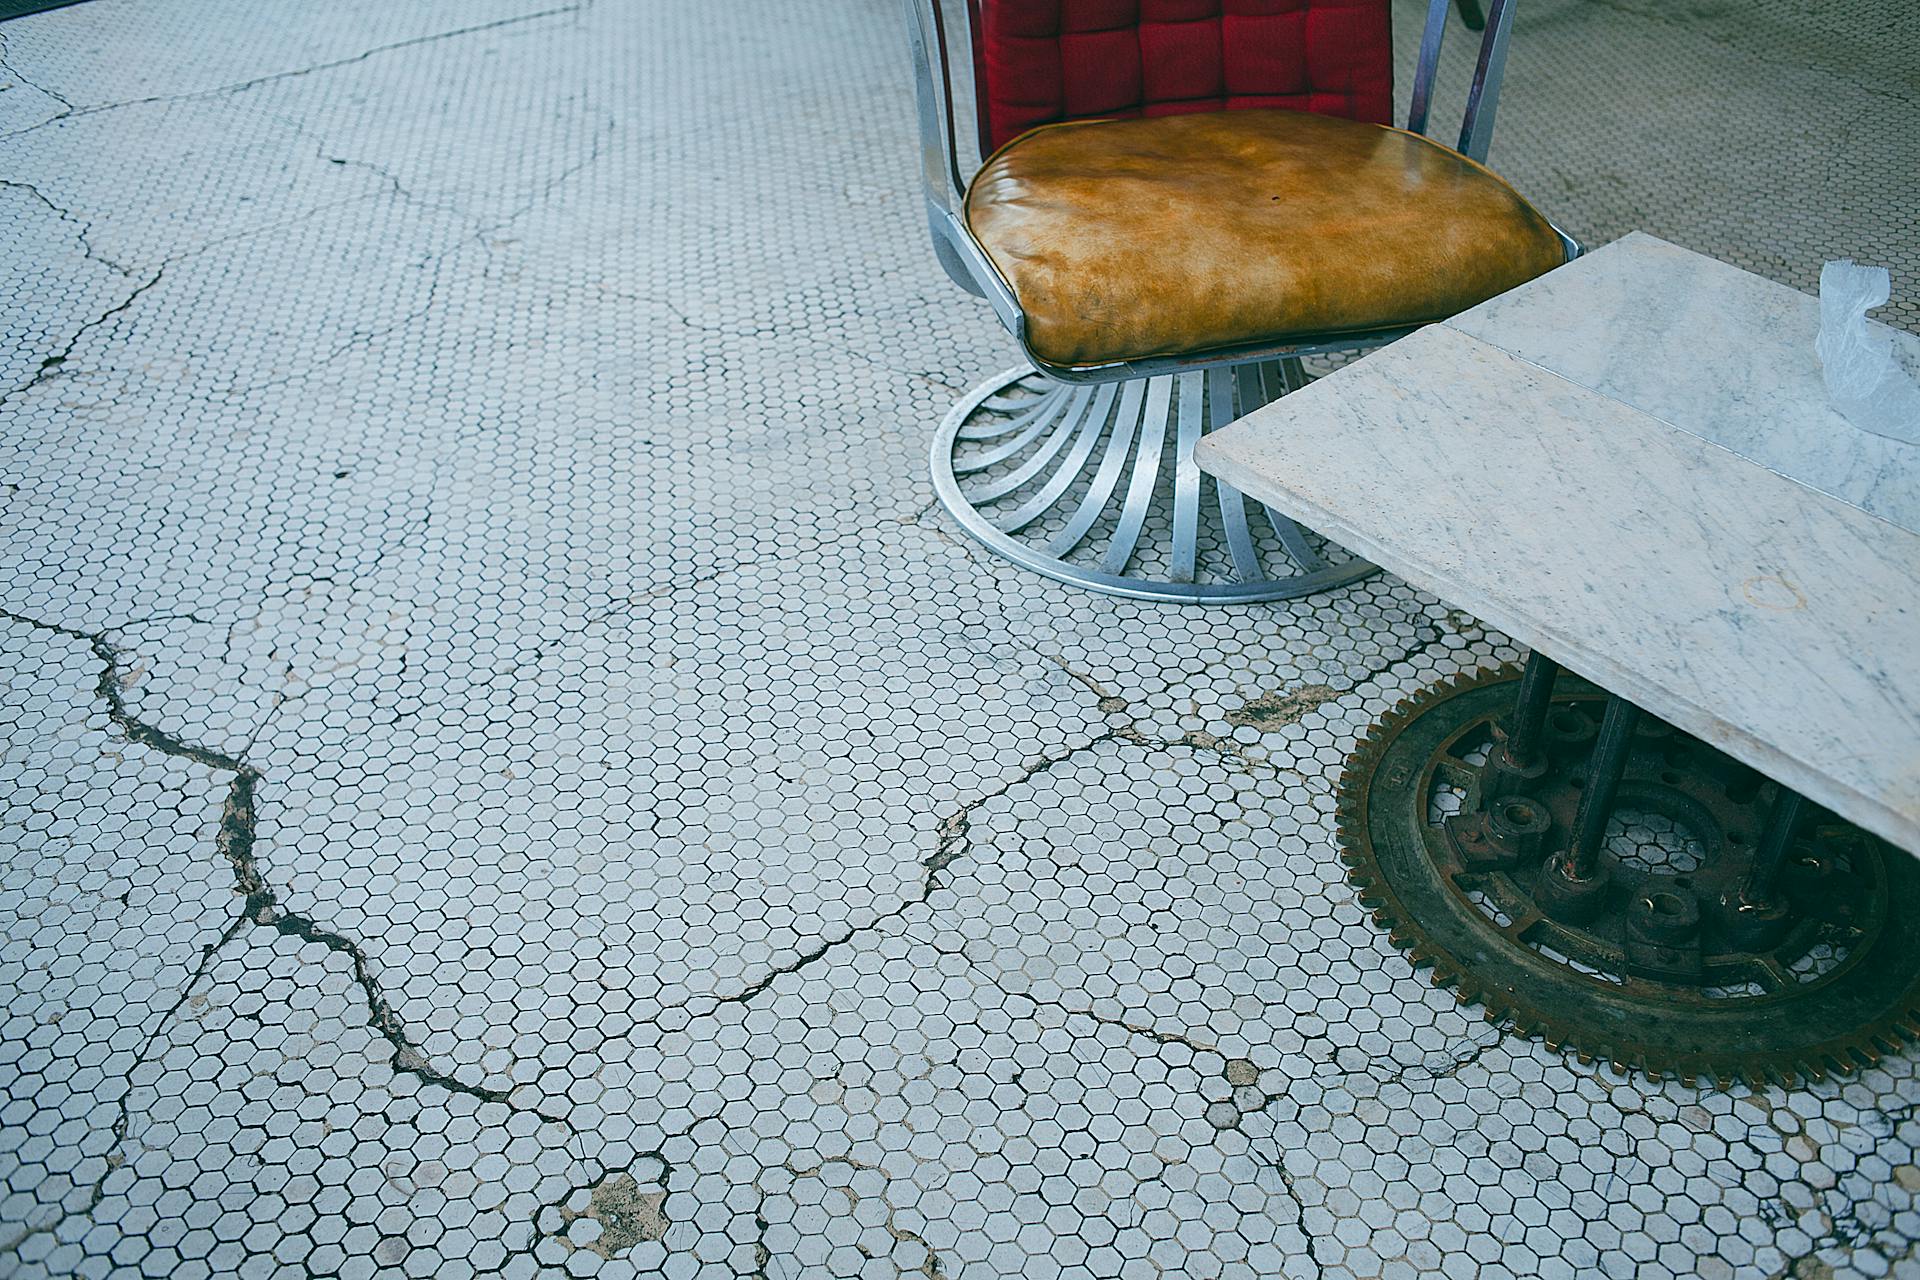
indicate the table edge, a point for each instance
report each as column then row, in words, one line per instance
column 1875, row 815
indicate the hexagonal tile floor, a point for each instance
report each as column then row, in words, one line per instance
column 506, row 773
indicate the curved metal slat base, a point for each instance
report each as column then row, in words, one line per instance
column 1098, row 487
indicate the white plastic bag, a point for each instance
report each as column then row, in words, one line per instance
column 1864, row 381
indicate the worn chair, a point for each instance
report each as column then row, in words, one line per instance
column 1180, row 199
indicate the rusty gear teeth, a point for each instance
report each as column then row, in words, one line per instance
column 1888, row 1032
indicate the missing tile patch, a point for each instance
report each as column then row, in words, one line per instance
column 627, row 1216
column 1278, row 710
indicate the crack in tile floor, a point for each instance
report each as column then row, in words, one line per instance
column 74, row 111
column 234, row 841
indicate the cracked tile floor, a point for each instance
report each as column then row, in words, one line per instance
column 505, row 773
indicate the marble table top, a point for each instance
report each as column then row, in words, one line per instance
column 1710, row 349
column 1629, row 465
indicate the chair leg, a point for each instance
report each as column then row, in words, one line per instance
column 1097, row 486
column 1472, row 14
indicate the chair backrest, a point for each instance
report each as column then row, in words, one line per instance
column 1041, row 61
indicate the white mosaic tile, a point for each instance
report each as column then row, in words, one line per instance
column 505, row 774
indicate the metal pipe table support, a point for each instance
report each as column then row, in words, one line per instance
column 1638, row 877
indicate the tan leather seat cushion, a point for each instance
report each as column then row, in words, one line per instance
column 1126, row 239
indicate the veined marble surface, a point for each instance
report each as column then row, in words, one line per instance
column 1765, row 617
column 1713, row 350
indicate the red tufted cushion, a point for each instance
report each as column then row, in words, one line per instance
column 1038, row 61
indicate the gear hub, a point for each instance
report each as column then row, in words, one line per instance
column 1656, row 957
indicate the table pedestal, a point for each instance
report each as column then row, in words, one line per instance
column 1598, row 878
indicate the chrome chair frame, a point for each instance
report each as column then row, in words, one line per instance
column 1240, row 377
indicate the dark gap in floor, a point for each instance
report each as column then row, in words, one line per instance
column 21, row 8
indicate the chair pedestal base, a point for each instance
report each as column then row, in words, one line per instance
column 1097, row 486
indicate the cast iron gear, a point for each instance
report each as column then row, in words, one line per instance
column 1666, row 979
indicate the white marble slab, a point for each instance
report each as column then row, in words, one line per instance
column 1713, row 350
column 1767, row 618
